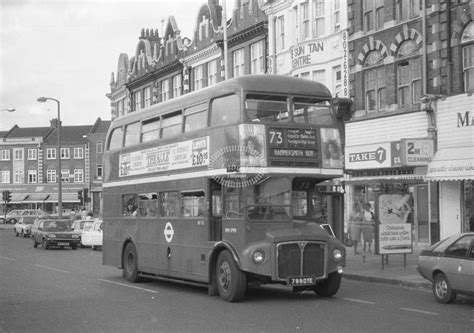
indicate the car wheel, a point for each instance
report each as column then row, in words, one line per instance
column 231, row 281
column 442, row 289
column 35, row 244
column 12, row 221
column 45, row 244
column 2, row 221
column 329, row 286
column 130, row 263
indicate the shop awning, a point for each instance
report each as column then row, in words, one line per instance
column 452, row 164
column 35, row 197
column 66, row 197
column 406, row 179
column 17, row 198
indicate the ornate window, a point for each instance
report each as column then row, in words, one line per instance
column 409, row 86
column 374, row 82
column 467, row 41
column 407, row 9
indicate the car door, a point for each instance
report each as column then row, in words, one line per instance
column 467, row 278
column 456, row 263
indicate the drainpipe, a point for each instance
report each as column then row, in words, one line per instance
column 425, row 48
column 448, row 47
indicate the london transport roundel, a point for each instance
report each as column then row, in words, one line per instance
column 169, row 232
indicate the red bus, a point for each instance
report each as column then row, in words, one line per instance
column 220, row 187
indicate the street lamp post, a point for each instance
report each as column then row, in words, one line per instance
column 60, row 185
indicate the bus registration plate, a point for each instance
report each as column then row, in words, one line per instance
column 301, row 280
column 63, row 244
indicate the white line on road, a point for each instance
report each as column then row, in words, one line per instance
column 6, row 258
column 419, row 311
column 53, row 269
column 358, row 301
column 127, row 285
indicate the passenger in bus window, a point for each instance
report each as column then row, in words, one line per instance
column 131, row 208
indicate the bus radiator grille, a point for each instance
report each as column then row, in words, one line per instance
column 300, row 259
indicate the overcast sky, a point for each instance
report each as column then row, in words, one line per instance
column 67, row 50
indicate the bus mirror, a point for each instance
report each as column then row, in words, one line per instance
column 342, row 107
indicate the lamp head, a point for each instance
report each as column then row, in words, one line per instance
column 42, row 99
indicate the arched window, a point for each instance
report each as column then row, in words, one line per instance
column 467, row 41
column 374, row 82
column 408, row 74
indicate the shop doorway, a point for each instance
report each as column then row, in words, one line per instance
column 421, row 221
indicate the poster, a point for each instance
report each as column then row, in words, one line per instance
column 331, row 148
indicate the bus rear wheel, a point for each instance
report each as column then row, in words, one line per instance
column 130, row 263
column 231, row 281
column 329, row 286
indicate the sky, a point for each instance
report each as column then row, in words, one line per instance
column 68, row 49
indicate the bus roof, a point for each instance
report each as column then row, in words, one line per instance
column 265, row 83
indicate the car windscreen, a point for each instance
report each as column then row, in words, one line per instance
column 57, row 225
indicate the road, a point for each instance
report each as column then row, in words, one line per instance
column 62, row 290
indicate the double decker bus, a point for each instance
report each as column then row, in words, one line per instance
column 221, row 187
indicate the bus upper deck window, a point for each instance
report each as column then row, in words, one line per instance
column 132, row 134
column 225, row 110
column 267, row 108
column 151, row 129
column 315, row 110
column 195, row 117
column 171, row 124
column 116, row 138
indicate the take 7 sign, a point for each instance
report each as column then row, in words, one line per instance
column 374, row 156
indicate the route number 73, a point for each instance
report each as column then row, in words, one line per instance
column 276, row 137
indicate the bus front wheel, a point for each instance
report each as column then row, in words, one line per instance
column 231, row 281
column 130, row 263
column 329, row 286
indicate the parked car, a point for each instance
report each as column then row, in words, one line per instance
column 23, row 227
column 14, row 216
column 54, row 232
column 449, row 265
column 92, row 234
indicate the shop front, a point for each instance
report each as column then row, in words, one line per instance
column 452, row 168
column 43, row 197
column 385, row 168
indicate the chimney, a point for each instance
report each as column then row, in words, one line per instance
column 54, row 123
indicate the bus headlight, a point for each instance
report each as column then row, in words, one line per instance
column 258, row 257
column 337, row 254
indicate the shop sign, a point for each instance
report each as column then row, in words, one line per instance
column 417, row 151
column 374, row 156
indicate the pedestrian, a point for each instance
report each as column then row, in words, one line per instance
column 368, row 226
column 355, row 223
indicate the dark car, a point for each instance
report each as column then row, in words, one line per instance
column 449, row 265
column 54, row 232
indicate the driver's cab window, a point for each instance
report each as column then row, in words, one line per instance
column 232, row 202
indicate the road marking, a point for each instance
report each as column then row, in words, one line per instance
column 53, row 269
column 420, row 311
column 6, row 258
column 358, row 301
column 127, row 285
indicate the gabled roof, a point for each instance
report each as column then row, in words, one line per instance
column 18, row 132
column 70, row 135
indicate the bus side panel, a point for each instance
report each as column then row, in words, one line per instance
column 182, row 250
column 112, row 243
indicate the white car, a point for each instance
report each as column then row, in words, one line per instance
column 23, row 227
column 92, row 234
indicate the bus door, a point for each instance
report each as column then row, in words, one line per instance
column 215, row 211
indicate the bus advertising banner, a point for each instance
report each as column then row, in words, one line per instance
column 180, row 155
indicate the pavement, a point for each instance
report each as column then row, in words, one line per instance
column 366, row 266
column 397, row 269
